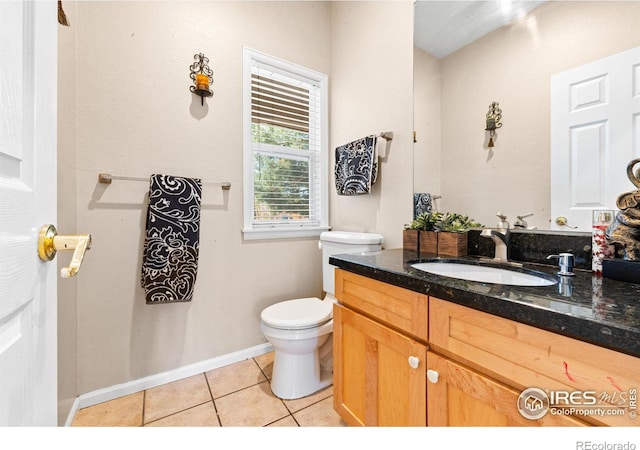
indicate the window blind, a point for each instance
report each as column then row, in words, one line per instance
column 285, row 136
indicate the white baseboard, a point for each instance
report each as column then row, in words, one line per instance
column 72, row 413
column 120, row 390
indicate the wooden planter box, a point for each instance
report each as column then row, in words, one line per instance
column 452, row 244
column 423, row 242
column 411, row 240
column 429, row 243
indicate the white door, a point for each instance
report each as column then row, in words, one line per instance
column 28, row 365
column 595, row 126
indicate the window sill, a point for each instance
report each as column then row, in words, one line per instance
column 251, row 234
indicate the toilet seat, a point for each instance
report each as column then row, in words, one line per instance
column 298, row 314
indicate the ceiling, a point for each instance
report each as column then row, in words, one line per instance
column 442, row 27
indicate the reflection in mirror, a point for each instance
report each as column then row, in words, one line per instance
column 512, row 65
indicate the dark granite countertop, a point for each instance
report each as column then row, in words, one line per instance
column 587, row 307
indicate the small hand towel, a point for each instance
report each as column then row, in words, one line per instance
column 356, row 166
column 422, row 203
column 172, row 240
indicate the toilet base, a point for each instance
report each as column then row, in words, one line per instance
column 298, row 375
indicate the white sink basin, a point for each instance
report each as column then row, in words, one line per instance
column 483, row 274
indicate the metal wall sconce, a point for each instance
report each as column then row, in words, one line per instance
column 202, row 77
column 494, row 115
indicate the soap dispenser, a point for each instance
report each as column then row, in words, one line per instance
column 565, row 261
column 503, row 224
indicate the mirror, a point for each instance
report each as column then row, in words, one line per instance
column 509, row 62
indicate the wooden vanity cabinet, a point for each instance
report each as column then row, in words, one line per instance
column 379, row 359
column 388, row 341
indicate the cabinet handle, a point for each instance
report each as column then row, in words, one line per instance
column 433, row 376
column 414, row 362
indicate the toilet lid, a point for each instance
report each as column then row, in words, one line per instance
column 298, row 314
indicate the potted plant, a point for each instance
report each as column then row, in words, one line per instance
column 452, row 231
column 420, row 235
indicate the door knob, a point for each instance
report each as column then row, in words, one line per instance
column 414, row 362
column 49, row 242
column 562, row 221
column 433, row 376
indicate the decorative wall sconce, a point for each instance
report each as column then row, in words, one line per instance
column 62, row 17
column 202, row 77
column 494, row 115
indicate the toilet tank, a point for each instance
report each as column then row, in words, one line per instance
column 336, row 242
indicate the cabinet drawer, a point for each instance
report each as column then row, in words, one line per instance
column 401, row 308
column 524, row 356
column 463, row 397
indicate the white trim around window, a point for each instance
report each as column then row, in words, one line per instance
column 313, row 155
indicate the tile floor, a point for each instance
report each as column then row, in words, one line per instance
column 237, row 395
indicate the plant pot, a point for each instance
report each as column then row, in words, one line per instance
column 411, row 240
column 452, row 244
column 428, row 243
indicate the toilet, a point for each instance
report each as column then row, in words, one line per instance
column 300, row 330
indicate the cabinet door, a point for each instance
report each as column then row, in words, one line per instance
column 459, row 396
column 378, row 375
column 523, row 356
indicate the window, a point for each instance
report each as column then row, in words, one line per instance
column 285, row 156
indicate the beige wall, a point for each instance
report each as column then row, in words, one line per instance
column 371, row 92
column 134, row 115
column 427, row 89
column 126, row 109
column 513, row 67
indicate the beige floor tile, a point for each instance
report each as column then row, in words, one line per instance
column 234, row 377
column 286, row 422
column 177, row 396
column 121, row 412
column 266, row 363
column 254, row 406
column 301, row 403
column 320, row 414
column 199, row 416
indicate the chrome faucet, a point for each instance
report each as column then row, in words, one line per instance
column 520, row 222
column 500, row 236
column 501, row 239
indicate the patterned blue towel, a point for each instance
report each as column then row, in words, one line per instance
column 356, row 166
column 422, row 203
column 172, row 241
